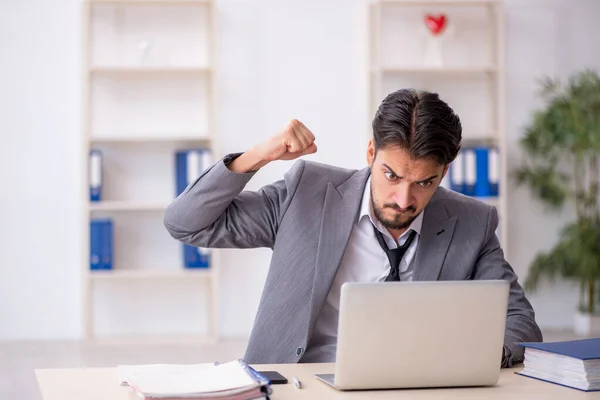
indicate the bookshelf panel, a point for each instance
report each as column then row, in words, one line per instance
column 142, row 243
column 149, row 35
column 468, row 95
column 147, row 105
column 150, row 307
column 405, row 37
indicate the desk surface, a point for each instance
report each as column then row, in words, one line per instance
column 103, row 384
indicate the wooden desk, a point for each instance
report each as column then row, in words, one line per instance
column 103, row 384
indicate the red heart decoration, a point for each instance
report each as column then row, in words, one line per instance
column 435, row 24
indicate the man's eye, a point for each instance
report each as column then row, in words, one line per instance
column 425, row 184
column 390, row 176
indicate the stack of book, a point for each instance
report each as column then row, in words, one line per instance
column 575, row 364
column 234, row 380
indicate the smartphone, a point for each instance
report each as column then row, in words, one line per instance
column 274, row 377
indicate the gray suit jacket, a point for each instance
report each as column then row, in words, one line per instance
column 306, row 219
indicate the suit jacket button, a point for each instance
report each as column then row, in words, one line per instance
column 299, row 351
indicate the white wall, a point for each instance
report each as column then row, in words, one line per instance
column 279, row 60
column 39, row 164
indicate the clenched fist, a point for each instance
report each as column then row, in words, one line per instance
column 293, row 141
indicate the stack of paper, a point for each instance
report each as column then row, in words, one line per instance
column 575, row 363
column 230, row 381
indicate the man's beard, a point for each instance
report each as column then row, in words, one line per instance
column 395, row 223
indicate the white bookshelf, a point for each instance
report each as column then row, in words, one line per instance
column 149, row 73
column 471, row 78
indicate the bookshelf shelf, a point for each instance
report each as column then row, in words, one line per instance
column 148, row 92
column 440, row 2
column 485, row 140
column 184, row 339
column 149, row 70
column 492, row 201
column 435, row 70
column 202, row 140
column 128, row 206
column 154, row 2
column 146, row 274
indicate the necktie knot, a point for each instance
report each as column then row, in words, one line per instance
column 394, row 255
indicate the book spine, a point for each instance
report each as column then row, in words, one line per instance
column 457, row 176
column 95, row 175
column 101, row 244
column 482, row 185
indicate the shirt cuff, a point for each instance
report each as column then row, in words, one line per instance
column 506, row 360
column 230, row 157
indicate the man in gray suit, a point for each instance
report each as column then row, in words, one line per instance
column 328, row 225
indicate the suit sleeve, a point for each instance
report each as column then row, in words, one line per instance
column 520, row 322
column 216, row 212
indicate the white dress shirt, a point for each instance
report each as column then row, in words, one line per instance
column 363, row 261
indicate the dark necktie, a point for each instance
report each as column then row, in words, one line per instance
column 394, row 255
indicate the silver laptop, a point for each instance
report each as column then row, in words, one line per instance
column 420, row 334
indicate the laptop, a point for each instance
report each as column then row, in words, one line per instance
column 420, row 334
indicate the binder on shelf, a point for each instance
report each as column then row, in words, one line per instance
column 493, row 171
column 457, row 176
column 189, row 165
column 482, row 185
column 101, row 244
column 95, row 178
column 196, row 257
column 474, row 172
column 470, row 171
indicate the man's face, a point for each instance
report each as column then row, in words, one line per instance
column 401, row 186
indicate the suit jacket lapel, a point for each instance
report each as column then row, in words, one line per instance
column 436, row 235
column 340, row 213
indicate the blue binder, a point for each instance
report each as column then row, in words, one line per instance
column 470, row 168
column 189, row 165
column 494, row 171
column 457, row 174
column 195, row 257
column 586, row 350
column 95, row 178
column 482, row 183
column 101, row 244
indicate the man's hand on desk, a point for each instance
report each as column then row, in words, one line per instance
column 294, row 141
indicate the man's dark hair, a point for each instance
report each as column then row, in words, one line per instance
column 420, row 123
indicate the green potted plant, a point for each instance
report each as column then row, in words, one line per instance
column 562, row 167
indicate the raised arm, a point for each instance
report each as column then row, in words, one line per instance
column 216, row 212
